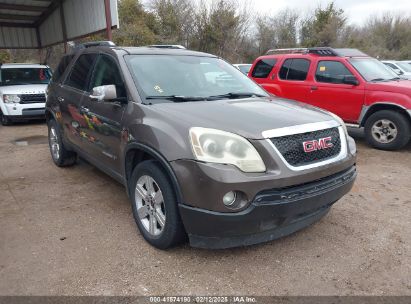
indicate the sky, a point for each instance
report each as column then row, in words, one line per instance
column 357, row 11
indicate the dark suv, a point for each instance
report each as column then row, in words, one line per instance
column 202, row 150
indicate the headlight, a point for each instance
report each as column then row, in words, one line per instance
column 11, row 98
column 215, row 146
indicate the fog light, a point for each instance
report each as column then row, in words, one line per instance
column 229, row 198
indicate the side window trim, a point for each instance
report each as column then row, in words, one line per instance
column 88, row 74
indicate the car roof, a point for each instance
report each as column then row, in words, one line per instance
column 147, row 50
column 22, row 65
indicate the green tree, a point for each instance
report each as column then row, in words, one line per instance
column 137, row 26
column 324, row 27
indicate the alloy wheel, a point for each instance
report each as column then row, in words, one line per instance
column 150, row 205
column 384, row 131
column 54, row 143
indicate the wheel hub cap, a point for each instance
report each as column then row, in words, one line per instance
column 384, row 131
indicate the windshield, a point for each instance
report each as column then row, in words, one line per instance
column 405, row 66
column 245, row 68
column 22, row 76
column 189, row 76
column 372, row 69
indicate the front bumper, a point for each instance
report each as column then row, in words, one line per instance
column 24, row 111
column 272, row 214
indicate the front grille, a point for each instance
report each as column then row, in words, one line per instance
column 32, row 98
column 291, row 147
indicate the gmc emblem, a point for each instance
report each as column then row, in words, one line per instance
column 315, row 145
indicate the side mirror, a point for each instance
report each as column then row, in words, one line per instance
column 352, row 80
column 106, row 92
column 399, row 72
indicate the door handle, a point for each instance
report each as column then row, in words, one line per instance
column 60, row 99
column 84, row 110
column 314, row 88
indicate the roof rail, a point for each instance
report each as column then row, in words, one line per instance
column 322, row 51
column 167, row 46
column 93, row 44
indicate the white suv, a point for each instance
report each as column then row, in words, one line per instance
column 22, row 91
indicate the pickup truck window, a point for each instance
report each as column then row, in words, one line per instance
column 331, row 72
column 263, row 68
column 295, row 69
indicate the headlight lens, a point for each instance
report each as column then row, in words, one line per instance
column 215, row 146
column 11, row 98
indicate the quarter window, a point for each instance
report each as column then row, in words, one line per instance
column 79, row 75
column 295, row 69
column 263, row 68
column 331, row 72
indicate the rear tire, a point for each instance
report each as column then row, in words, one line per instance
column 155, row 207
column 5, row 121
column 60, row 155
column 387, row 130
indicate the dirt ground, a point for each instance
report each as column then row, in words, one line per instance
column 71, row 232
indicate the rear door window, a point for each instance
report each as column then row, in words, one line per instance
column 80, row 72
column 331, row 72
column 263, row 68
column 295, row 69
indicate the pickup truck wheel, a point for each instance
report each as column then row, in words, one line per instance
column 5, row 121
column 155, row 207
column 387, row 130
column 60, row 155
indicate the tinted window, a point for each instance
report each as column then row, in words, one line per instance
column 331, row 72
column 79, row 74
column 295, row 69
column 64, row 62
column 263, row 68
column 106, row 72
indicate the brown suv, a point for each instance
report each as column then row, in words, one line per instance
column 202, row 150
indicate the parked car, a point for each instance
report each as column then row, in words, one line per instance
column 358, row 88
column 243, row 67
column 223, row 162
column 402, row 69
column 22, row 91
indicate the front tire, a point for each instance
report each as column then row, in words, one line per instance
column 155, row 207
column 60, row 155
column 387, row 130
column 5, row 121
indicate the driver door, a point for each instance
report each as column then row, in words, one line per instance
column 104, row 117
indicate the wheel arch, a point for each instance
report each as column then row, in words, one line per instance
column 379, row 106
column 136, row 153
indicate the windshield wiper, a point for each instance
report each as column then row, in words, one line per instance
column 177, row 98
column 378, row 79
column 235, row 95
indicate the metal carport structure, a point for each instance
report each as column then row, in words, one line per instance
column 37, row 24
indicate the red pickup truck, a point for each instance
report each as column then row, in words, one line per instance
column 358, row 88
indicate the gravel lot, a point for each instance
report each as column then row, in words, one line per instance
column 71, row 232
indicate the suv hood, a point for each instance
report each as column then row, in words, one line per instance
column 395, row 86
column 24, row 89
column 245, row 117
